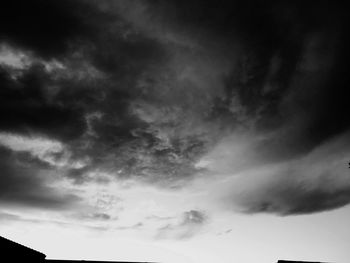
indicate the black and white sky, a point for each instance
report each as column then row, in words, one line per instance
column 178, row 125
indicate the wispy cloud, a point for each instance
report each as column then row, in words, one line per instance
column 189, row 225
column 132, row 227
column 7, row 217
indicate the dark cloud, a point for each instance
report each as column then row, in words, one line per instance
column 57, row 103
column 25, row 106
column 293, row 200
column 145, row 89
column 23, row 186
column 317, row 182
column 290, row 70
column 294, row 197
column 274, row 79
column 49, row 28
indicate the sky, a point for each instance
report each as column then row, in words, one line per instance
column 175, row 131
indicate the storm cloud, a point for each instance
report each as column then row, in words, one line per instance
column 154, row 90
column 316, row 182
column 23, row 186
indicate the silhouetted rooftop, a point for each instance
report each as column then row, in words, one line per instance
column 13, row 250
column 89, row 261
column 292, row 261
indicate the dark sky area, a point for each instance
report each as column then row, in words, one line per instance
column 147, row 89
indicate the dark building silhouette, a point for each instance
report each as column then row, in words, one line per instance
column 86, row 261
column 14, row 252
column 291, row 261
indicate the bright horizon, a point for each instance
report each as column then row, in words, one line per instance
column 227, row 237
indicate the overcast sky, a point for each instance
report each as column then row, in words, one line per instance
column 175, row 131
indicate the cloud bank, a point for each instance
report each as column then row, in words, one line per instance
column 164, row 92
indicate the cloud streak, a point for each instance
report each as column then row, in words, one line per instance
column 189, row 225
column 316, row 182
